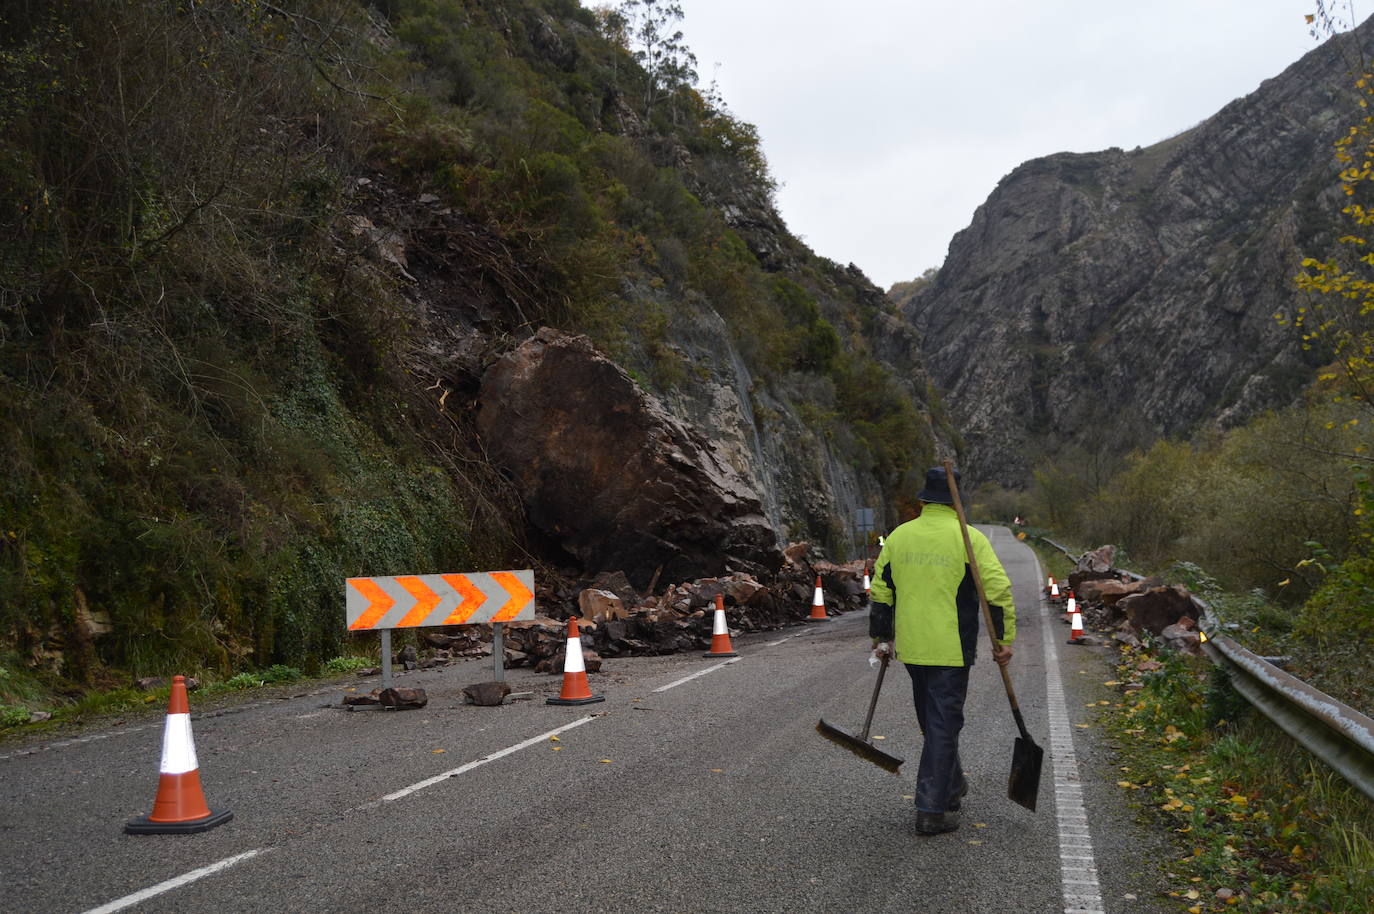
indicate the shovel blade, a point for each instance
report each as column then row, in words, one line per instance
column 1024, row 784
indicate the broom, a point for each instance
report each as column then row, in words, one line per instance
column 860, row 745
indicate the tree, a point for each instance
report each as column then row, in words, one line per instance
column 659, row 47
column 1340, row 304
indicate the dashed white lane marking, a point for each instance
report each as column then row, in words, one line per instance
column 781, row 640
column 186, row 878
column 709, row 669
column 1077, row 868
column 174, row 883
column 462, row 769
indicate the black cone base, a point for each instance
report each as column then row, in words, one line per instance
column 575, row 701
column 145, row 826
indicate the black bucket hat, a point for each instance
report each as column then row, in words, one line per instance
column 937, row 491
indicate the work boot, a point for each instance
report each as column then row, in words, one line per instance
column 956, row 802
column 936, row 823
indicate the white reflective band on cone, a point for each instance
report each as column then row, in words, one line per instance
column 718, row 627
column 1076, row 624
column 1073, row 605
column 575, row 663
column 1054, row 589
column 178, row 751
column 818, row 599
column 865, row 582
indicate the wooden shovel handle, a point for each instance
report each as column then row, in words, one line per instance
column 978, row 583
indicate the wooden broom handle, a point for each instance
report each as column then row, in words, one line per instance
column 978, row 581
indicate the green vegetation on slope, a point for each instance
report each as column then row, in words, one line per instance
column 212, row 402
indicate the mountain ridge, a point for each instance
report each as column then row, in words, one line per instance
column 1124, row 296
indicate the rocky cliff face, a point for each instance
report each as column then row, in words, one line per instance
column 1132, row 294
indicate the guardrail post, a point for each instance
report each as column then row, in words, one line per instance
column 498, row 653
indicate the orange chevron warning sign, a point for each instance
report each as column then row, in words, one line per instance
column 411, row 601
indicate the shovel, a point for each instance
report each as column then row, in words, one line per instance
column 1026, row 757
column 860, row 745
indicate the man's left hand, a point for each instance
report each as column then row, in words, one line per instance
column 1002, row 655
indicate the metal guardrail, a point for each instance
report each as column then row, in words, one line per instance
column 1336, row 733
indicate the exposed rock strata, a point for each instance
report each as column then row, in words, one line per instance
column 1130, row 295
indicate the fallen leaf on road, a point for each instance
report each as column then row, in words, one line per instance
column 880, row 737
column 975, row 841
column 553, row 739
column 557, row 748
column 605, row 761
column 717, row 770
column 980, row 825
column 438, row 751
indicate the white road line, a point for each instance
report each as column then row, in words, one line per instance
column 781, row 640
column 174, row 883
column 1077, row 868
column 709, row 669
column 462, row 769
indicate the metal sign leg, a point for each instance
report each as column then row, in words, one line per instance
column 498, row 653
column 386, row 658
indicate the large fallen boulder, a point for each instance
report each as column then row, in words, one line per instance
column 611, row 475
column 1157, row 608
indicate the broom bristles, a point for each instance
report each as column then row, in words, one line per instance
column 859, row 747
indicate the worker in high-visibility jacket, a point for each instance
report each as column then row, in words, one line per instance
column 925, row 612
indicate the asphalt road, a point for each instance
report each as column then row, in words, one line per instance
column 712, row 795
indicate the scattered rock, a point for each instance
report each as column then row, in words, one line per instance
column 150, row 683
column 1182, row 639
column 600, row 605
column 403, row 699
column 1105, row 590
column 486, row 694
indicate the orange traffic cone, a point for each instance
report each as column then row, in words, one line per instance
column 1049, row 583
column 818, row 604
column 720, row 633
column 180, row 805
column 1055, row 595
column 1070, row 607
column 867, row 591
column 1075, row 624
column 575, row 688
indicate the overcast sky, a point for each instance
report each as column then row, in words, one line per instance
column 889, row 121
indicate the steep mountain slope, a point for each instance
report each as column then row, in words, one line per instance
column 256, row 259
column 1123, row 296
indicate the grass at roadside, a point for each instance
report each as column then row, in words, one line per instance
column 1260, row 824
column 21, row 696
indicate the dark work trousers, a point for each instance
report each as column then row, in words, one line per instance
column 939, row 693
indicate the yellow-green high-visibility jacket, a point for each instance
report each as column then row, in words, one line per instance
column 923, row 575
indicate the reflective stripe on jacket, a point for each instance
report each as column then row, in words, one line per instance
column 923, row 573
